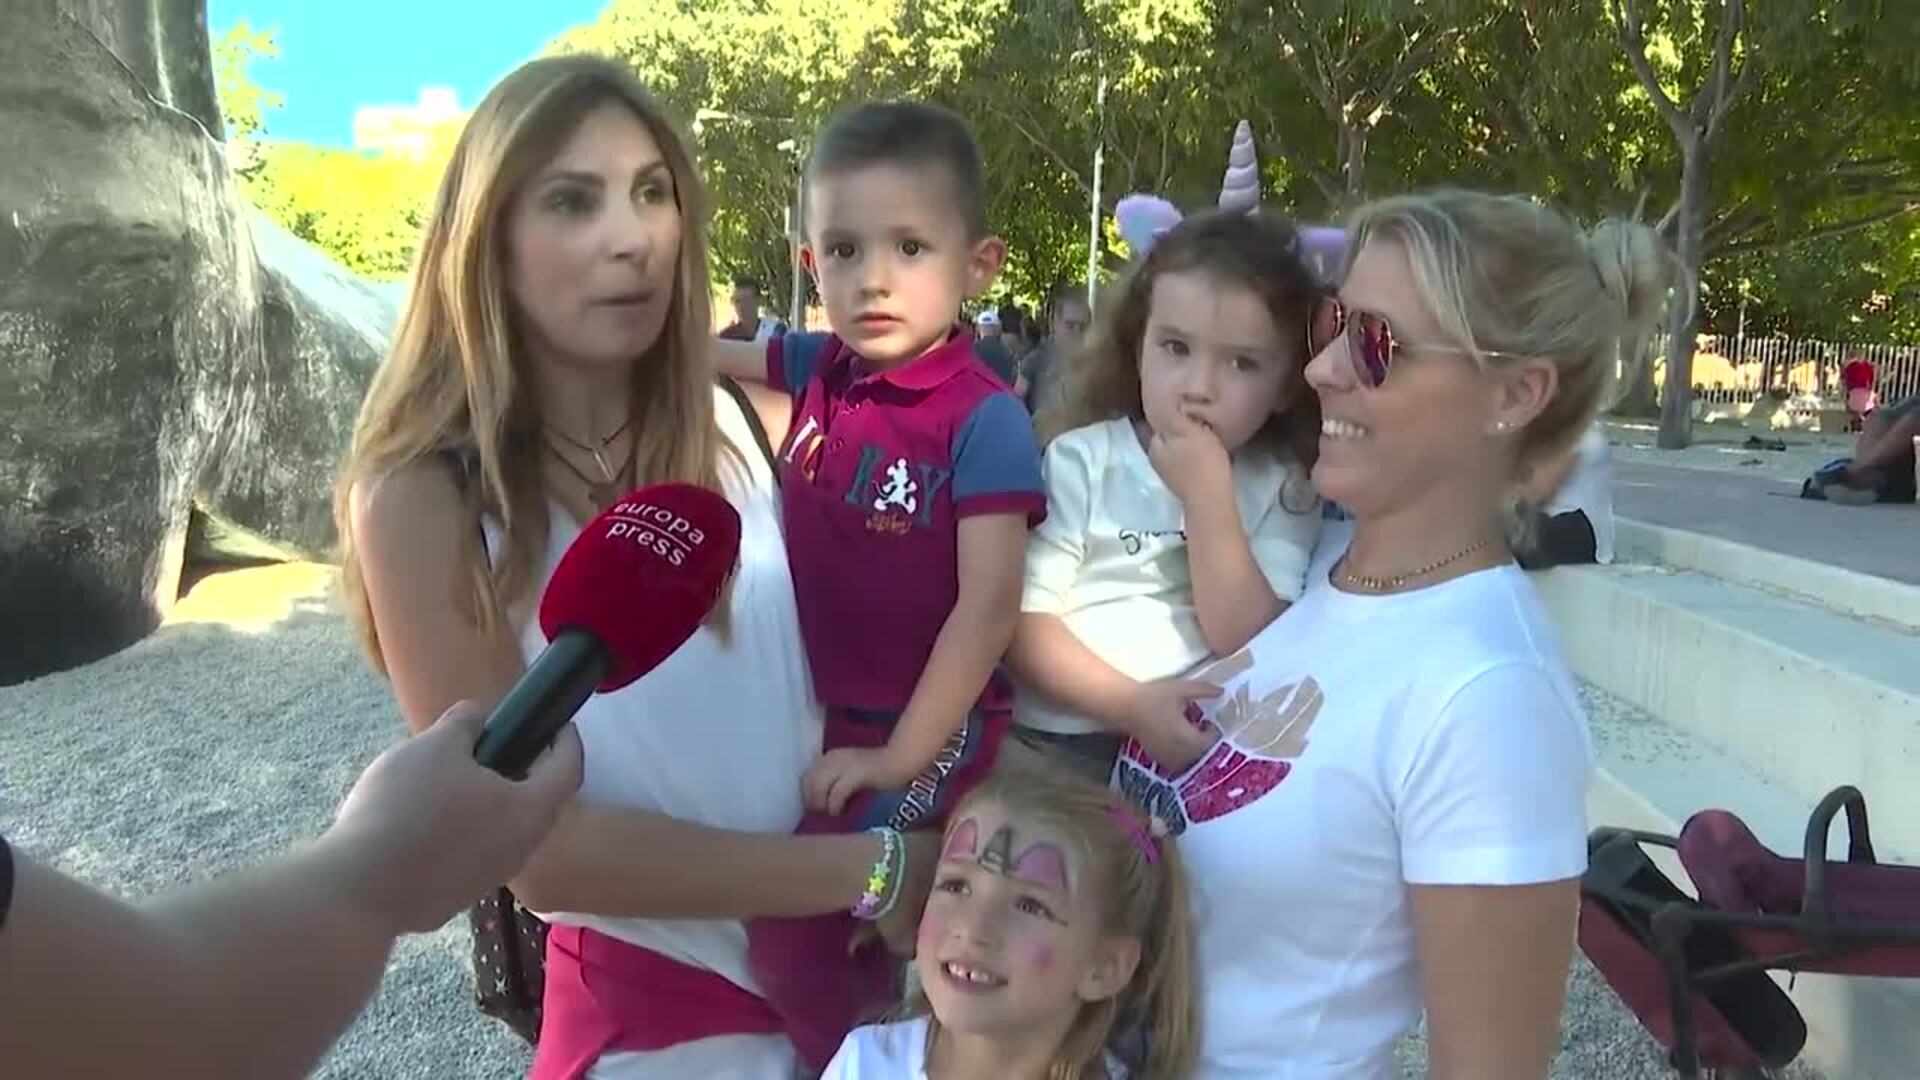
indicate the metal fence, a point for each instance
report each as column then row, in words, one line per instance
column 1737, row 369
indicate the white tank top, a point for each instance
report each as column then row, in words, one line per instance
column 719, row 734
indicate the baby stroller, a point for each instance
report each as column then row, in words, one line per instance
column 1695, row 972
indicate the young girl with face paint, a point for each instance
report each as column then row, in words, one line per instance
column 1054, row 946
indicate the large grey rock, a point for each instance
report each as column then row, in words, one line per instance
column 147, row 358
column 163, row 44
column 324, row 331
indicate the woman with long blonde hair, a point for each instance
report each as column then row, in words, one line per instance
column 554, row 353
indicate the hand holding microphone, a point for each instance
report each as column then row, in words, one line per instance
column 631, row 590
column 403, row 843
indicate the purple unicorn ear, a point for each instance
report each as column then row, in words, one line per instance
column 1325, row 250
column 1240, row 188
column 1143, row 219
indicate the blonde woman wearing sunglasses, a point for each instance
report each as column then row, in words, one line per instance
column 1392, row 820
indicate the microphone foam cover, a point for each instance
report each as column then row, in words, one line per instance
column 643, row 575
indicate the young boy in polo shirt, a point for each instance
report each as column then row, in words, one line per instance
column 909, row 479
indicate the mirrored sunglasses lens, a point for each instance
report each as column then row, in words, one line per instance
column 1374, row 353
column 1324, row 325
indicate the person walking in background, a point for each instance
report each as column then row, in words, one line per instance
column 990, row 345
column 986, row 325
column 1856, row 377
column 748, row 323
column 1014, row 324
column 1068, row 317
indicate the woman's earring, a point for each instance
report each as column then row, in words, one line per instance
column 1499, row 428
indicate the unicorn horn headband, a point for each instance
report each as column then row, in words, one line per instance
column 1143, row 219
column 1240, row 188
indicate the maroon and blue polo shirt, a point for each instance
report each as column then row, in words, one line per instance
column 877, row 470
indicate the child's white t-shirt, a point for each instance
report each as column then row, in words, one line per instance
column 898, row 1052
column 1370, row 744
column 1111, row 557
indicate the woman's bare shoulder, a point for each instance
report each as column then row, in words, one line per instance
column 418, row 505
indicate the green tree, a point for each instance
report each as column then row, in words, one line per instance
column 1816, row 103
column 1824, row 144
column 244, row 104
column 366, row 210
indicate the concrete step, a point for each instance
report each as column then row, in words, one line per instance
column 1654, row 776
column 1804, row 697
column 1868, row 596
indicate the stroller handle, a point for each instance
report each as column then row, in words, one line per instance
column 1813, row 904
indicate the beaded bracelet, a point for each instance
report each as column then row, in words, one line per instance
column 883, row 881
column 898, row 876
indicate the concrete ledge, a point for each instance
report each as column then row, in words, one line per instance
column 1651, row 776
column 1805, row 698
column 1846, row 591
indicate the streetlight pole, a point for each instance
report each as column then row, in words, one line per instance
column 790, row 214
column 1099, row 163
column 796, row 306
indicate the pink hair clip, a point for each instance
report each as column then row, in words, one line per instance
column 1143, row 834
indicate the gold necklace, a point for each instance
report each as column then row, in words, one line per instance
column 1399, row 581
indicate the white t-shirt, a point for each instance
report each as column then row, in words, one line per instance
column 719, row 734
column 1589, row 487
column 1371, row 743
column 1111, row 557
column 897, row 1052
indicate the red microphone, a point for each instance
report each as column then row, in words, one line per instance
column 632, row 588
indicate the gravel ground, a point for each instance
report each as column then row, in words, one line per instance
column 210, row 746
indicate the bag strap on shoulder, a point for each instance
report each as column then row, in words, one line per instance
column 752, row 417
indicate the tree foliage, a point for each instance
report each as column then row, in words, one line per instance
column 243, row 104
column 365, row 209
column 1810, row 206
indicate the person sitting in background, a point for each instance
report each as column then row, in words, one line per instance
column 748, row 324
column 258, row 973
column 1575, row 493
column 1882, row 466
column 1068, row 317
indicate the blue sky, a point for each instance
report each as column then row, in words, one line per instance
column 336, row 55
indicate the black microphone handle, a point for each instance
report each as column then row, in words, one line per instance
column 553, row 688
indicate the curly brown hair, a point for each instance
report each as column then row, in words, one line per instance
column 1260, row 252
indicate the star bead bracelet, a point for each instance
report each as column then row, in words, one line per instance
column 883, row 881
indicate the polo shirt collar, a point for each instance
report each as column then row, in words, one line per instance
column 937, row 366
